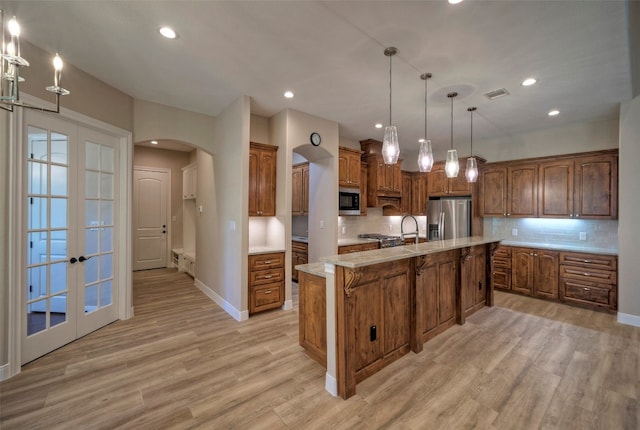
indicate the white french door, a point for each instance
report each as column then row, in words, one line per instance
column 71, row 192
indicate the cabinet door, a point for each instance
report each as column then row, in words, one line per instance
column 253, row 182
column 353, row 161
column 596, row 187
column 305, row 190
column 418, row 193
column 389, row 177
column 297, row 191
column 522, row 270
column 459, row 185
column 343, row 169
column 523, row 191
column 556, row 189
column 546, row 274
column 396, row 308
column 367, row 310
column 493, row 192
column 473, row 279
column 406, row 193
column 267, row 183
column 437, row 180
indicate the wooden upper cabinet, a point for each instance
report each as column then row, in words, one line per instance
column 596, row 187
column 384, row 182
column 363, row 187
column 418, row 193
column 440, row 185
column 349, row 167
column 262, row 179
column 522, row 185
column 407, row 186
column 556, row 189
column 493, row 191
column 300, row 189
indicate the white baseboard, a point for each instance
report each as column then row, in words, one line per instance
column 288, row 304
column 225, row 305
column 5, row 372
column 331, row 385
column 629, row 319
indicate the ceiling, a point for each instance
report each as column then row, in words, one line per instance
column 330, row 54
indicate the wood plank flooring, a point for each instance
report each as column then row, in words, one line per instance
column 182, row 362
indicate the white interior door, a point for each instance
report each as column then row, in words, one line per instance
column 150, row 195
column 71, row 185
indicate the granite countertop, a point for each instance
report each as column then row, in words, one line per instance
column 255, row 250
column 368, row 258
column 561, row 247
column 303, row 239
column 312, row 268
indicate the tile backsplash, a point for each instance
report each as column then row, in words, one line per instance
column 375, row 222
column 596, row 233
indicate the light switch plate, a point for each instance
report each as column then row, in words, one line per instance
column 514, row 232
column 583, row 235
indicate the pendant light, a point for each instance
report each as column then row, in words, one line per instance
column 452, row 167
column 472, row 166
column 390, row 145
column 425, row 156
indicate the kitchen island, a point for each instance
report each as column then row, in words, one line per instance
column 381, row 304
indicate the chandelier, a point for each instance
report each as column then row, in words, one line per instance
column 10, row 63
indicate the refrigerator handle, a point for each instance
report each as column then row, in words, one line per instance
column 441, row 227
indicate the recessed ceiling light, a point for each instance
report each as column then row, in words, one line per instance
column 378, row 125
column 528, row 82
column 288, row 94
column 168, row 32
column 455, row 1
column 553, row 112
column 154, row 142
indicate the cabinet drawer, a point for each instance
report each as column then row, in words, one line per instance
column 588, row 275
column 502, row 262
column 259, row 277
column 300, row 247
column 266, row 297
column 601, row 262
column 590, row 293
column 266, row 261
column 501, row 279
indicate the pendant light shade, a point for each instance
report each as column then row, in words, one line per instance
column 425, row 156
column 390, row 145
column 472, row 165
column 452, row 167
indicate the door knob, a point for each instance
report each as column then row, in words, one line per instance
column 73, row 260
column 83, row 258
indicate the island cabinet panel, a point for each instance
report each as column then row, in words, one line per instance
column 473, row 282
column 313, row 316
column 373, row 320
column 436, row 279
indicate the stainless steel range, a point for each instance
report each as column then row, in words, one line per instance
column 384, row 240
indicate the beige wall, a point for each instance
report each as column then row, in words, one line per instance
column 221, row 253
column 156, row 121
column 4, row 235
column 115, row 107
column 629, row 208
column 174, row 161
column 259, row 129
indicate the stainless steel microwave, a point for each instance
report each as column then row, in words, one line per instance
column 348, row 201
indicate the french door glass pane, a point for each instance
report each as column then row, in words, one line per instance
column 106, row 293
column 37, row 282
column 91, row 298
column 37, row 180
column 92, row 156
column 37, row 144
column 106, row 266
column 106, row 186
column 92, row 185
column 58, row 277
column 58, row 245
column 36, row 247
column 59, row 181
column 36, row 317
column 91, row 239
column 106, row 212
column 106, row 240
column 37, row 213
column 59, row 213
column 92, row 213
column 106, row 163
column 59, row 148
column 91, row 270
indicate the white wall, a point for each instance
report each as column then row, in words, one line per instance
column 5, row 227
column 628, row 209
column 259, row 129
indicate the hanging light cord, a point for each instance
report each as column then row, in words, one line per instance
column 452, row 96
column 425, row 107
column 472, row 132
column 390, row 123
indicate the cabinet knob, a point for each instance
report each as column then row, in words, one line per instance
column 267, row 261
column 577, row 215
column 586, row 261
column 535, row 255
column 268, row 276
column 586, row 274
column 508, row 214
column 587, row 289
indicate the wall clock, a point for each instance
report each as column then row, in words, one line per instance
column 315, row 139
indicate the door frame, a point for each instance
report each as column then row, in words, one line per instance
column 17, row 249
column 168, row 208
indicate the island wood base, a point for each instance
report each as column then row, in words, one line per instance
column 385, row 310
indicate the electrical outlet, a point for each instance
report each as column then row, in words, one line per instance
column 321, row 223
column 390, row 227
column 514, row 232
column 583, row 235
column 343, row 230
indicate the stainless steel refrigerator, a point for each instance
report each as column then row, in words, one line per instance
column 449, row 218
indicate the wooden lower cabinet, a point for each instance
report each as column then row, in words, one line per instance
column 473, row 282
column 589, row 280
column 299, row 255
column 266, row 282
column 501, row 268
column 313, row 316
column 348, row 249
column 436, row 279
column 534, row 272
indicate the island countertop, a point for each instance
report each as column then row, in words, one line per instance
column 367, row 258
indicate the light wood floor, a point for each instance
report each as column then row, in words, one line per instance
column 182, row 362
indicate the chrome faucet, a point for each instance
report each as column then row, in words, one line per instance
column 416, row 232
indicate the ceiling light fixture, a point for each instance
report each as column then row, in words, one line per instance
column 451, row 166
column 425, row 156
column 167, row 32
column 10, row 63
column 288, row 94
column 472, row 165
column 528, row 82
column 455, row 1
column 553, row 112
column 390, row 145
